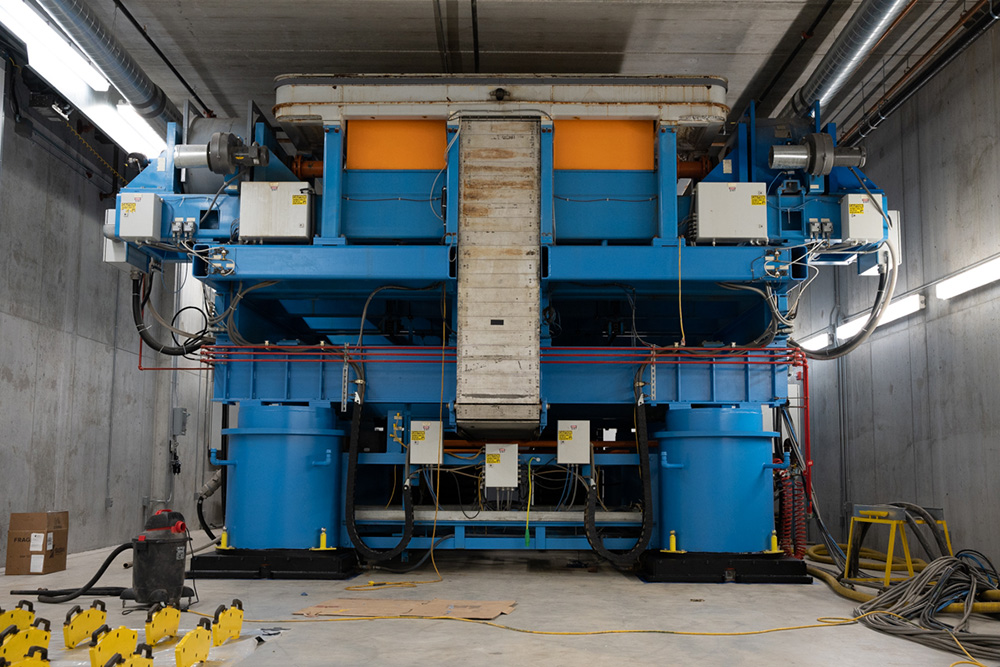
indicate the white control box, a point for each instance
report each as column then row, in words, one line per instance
column 139, row 216
column 501, row 466
column 731, row 213
column 860, row 220
column 573, row 442
column 426, row 442
column 279, row 211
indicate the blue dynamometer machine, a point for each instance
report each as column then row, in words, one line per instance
column 481, row 312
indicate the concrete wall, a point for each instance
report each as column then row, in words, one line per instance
column 914, row 414
column 81, row 428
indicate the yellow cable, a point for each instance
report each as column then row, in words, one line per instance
column 970, row 661
column 825, row 622
column 96, row 154
column 527, row 515
column 379, row 585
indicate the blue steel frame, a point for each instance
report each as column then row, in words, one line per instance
column 597, row 228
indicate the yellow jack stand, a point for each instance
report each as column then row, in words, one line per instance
column 322, row 542
column 673, row 545
column 895, row 518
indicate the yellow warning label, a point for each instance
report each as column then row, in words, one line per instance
column 758, row 200
column 299, row 200
column 419, row 435
column 128, row 207
column 856, row 209
column 493, row 458
column 565, row 435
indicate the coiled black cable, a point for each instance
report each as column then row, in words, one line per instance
column 626, row 558
column 349, row 511
column 138, row 299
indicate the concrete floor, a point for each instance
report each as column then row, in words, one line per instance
column 549, row 595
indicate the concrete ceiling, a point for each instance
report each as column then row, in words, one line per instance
column 230, row 52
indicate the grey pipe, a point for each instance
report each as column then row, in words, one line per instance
column 109, row 56
column 849, row 50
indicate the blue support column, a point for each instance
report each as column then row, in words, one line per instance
column 547, row 177
column 666, row 178
column 330, row 228
column 451, row 203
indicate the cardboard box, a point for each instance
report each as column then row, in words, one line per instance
column 36, row 542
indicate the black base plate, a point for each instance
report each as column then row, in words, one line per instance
column 275, row 564
column 712, row 568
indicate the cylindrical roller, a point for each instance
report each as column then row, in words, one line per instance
column 853, row 156
column 789, row 157
column 187, row 156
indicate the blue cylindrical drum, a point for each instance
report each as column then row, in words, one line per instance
column 715, row 492
column 284, row 479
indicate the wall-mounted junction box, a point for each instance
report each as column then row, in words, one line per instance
column 731, row 212
column 860, row 219
column 426, row 442
column 573, row 441
column 279, row 211
column 139, row 216
column 501, row 466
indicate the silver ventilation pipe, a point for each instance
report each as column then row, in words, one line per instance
column 109, row 56
column 849, row 50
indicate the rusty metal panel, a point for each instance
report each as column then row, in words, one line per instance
column 498, row 275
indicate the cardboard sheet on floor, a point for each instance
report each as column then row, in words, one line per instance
column 480, row 610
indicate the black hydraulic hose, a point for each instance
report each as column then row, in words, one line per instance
column 352, row 528
column 140, row 326
column 625, row 558
column 48, row 598
column 423, row 559
column 96, row 591
column 201, row 519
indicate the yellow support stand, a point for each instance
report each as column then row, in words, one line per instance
column 228, row 623
column 895, row 518
column 775, row 549
column 673, row 545
column 23, row 615
column 37, row 657
column 80, row 624
column 106, row 642
column 195, row 645
column 162, row 621
column 143, row 657
column 224, row 540
column 15, row 644
column 322, row 542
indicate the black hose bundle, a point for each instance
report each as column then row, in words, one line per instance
column 349, row 511
column 138, row 299
column 625, row 558
column 65, row 595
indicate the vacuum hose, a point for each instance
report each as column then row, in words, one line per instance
column 172, row 350
column 352, row 529
column 627, row 558
column 49, row 597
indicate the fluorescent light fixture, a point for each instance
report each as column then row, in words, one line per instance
column 134, row 137
column 969, row 279
column 897, row 309
column 817, row 342
column 49, row 54
column 150, row 138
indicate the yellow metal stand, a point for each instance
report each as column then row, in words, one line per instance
column 673, row 545
column 23, row 615
column 80, row 624
column 195, row 645
column 322, row 542
column 895, row 518
column 15, row 644
column 227, row 624
column 161, row 622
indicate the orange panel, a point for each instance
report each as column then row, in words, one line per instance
column 396, row 144
column 603, row 144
